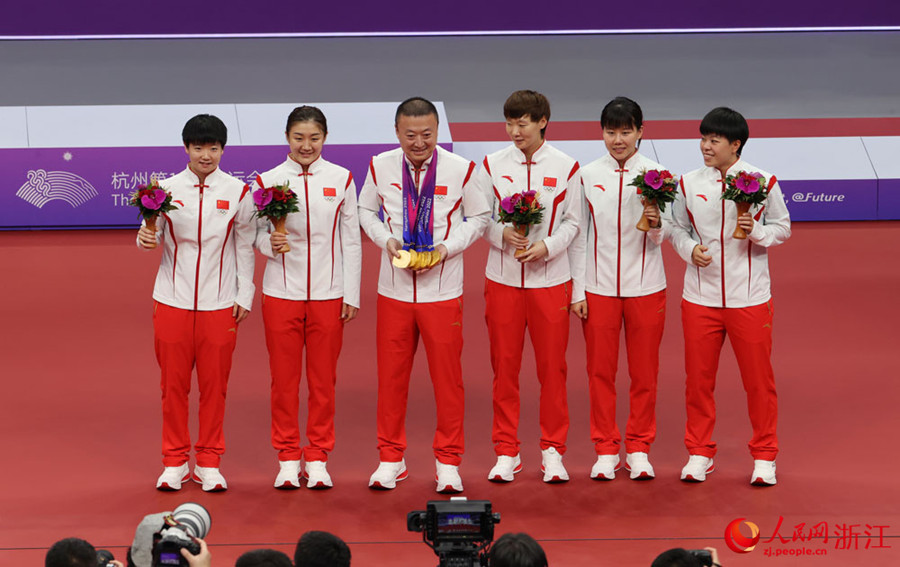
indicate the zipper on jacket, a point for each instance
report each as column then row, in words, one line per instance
column 527, row 188
column 308, row 242
column 722, row 243
column 199, row 246
column 619, row 235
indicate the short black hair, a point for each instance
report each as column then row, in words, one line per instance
column 263, row 558
column 517, row 550
column 71, row 552
column 307, row 114
column 321, row 549
column 416, row 106
column 677, row 557
column 204, row 129
column 728, row 123
column 530, row 103
column 622, row 112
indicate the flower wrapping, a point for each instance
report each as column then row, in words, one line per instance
column 151, row 200
column 656, row 185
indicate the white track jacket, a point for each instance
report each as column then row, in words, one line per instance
column 460, row 209
column 207, row 243
column 739, row 273
column 620, row 260
column 325, row 257
column 554, row 176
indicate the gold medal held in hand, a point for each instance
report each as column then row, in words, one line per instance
column 403, row 260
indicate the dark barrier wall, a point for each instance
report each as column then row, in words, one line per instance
column 105, row 17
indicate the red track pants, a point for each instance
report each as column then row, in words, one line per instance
column 545, row 312
column 183, row 338
column 750, row 332
column 398, row 328
column 291, row 326
column 644, row 319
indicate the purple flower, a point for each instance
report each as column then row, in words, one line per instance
column 153, row 200
column 262, row 197
column 507, row 205
column 653, row 179
column 747, row 184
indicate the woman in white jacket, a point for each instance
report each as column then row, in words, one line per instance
column 623, row 277
column 309, row 292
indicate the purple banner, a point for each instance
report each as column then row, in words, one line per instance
column 90, row 187
column 855, row 199
column 889, row 199
column 108, row 17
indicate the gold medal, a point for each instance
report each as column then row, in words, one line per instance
column 403, row 260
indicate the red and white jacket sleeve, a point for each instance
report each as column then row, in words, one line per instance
column 244, row 235
column 477, row 210
column 369, row 204
column 351, row 246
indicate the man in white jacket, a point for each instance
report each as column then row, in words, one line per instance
column 432, row 203
column 203, row 289
column 727, row 291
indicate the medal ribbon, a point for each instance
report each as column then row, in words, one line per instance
column 418, row 209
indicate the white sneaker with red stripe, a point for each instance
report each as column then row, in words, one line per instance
column 210, row 478
column 763, row 473
column 605, row 468
column 638, row 464
column 505, row 469
column 552, row 467
column 697, row 468
column 317, row 476
column 447, row 478
column 172, row 477
column 288, row 476
column 388, row 474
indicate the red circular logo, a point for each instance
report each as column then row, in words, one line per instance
column 738, row 542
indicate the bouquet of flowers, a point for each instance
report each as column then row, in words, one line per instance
column 745, row 189
column 655, row 187
column 522, row 210
column 151, row 200
column 276, row 203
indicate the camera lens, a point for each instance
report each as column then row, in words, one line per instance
column 194, row 517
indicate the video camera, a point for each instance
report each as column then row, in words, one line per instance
column 459, row 531
column 188, row 521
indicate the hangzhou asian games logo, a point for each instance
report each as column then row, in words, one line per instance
column 44, row 186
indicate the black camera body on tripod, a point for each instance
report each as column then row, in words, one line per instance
column 459, row 531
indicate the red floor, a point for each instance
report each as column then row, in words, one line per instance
column 80, row 421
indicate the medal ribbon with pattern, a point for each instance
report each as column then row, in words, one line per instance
column 418, row 209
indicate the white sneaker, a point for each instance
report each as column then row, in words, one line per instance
column 288, row 475
column 317, row 476
column 638, row 464
column 211, row 479
column 697, row 468
column 605, row 468
column 387, row 475
column 552, row 467
column 447, row 477
column 505, row 469
column 763, row 473
column 172, row 477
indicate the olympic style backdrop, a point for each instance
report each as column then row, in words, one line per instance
column 233, row 17
column 75, row 167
